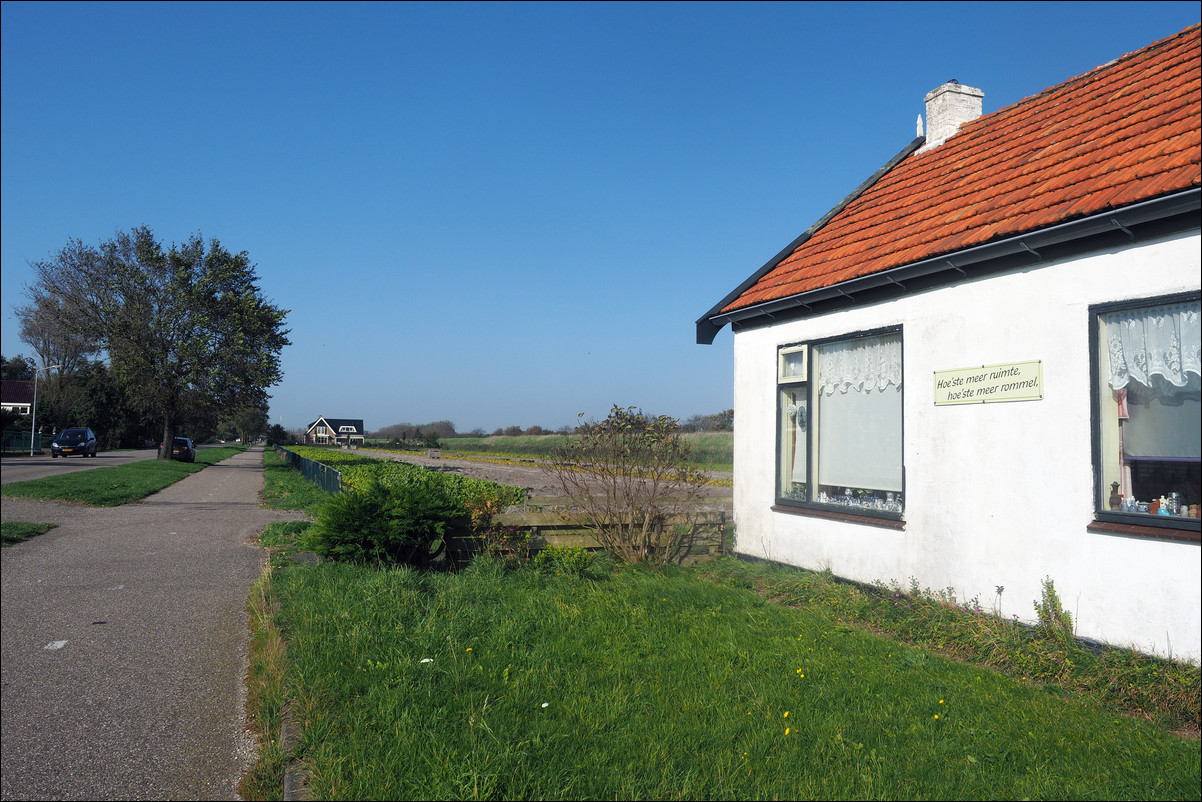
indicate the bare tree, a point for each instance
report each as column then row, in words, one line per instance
column 629, row 475
column 46, row 327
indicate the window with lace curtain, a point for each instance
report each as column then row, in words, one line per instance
column 1148, row 422
column 839, row 428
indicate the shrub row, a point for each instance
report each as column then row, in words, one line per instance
column 397, row 513
column 478, row 496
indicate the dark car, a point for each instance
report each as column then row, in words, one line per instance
column 74, row 441
column 183, row 450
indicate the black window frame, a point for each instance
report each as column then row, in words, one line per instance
column 810, row 504
column 1118, row 522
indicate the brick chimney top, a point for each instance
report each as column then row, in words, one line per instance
column 948, row 107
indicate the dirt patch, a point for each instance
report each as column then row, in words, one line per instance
column 537, row 483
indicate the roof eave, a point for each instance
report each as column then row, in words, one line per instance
column 1131, row 221
column 707, row 331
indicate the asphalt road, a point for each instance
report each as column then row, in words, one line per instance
column 123, row 642
column 18, row 469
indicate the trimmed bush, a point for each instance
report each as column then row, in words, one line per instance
column 404, row 524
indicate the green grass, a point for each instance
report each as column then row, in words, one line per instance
column 12, row 532
column 643, row 684
column 732, row 680
column 286, row 489
column 1166, row 692
column 119, row 484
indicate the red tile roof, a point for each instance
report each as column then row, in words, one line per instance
column 1125, row 132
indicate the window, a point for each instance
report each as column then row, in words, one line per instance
column 1148, row 417
column 840, row 424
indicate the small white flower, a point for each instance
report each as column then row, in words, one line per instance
column 546, row 704
column 427, row 660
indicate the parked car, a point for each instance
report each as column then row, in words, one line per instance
column 73, row 441
column 182, row 450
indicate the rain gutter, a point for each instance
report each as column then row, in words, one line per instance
column 1179, row 211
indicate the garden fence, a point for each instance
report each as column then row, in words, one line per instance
column 327, row 478
column 12, row 440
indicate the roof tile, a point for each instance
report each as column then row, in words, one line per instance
column 1125, row 132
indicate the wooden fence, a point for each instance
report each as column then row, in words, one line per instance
column 703, row 535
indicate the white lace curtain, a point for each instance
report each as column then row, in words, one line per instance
column 1158, row 347
column 863, row 364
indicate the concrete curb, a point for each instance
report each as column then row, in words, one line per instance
column 294, row 776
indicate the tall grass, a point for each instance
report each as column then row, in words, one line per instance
column 639, row 685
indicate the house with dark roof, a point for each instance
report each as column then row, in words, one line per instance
column 335, row 431
column 17, row 396
column 981, row 369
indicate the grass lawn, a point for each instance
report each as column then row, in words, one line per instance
column 120, row 484
column 643, row 684
column 690, row 684
column 12, row 532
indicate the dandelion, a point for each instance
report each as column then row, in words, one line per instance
column 940, row 701
column 469, row 648
column 787, row 730
column 936, row 716
column 786, row 714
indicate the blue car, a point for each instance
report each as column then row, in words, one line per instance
column 73, row 441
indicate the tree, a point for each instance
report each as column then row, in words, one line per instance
column 630, row 477
column 91, row 396
column 251, row 423
column 18, row 369
column 276, row 436
column 719, row 422
column 47, row 328
column 187, row 329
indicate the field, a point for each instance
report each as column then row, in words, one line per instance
column 713, row 451
column 527, row 473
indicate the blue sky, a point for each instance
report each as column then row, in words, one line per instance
column 496, row 214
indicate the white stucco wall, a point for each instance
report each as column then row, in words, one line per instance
column 996, row 494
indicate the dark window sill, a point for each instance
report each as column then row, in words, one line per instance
column 846, row 517
column 1143, row 530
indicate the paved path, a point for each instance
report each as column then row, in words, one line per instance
column 123, row 638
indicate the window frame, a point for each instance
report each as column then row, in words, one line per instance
column 810, row 504
column 1117, row 522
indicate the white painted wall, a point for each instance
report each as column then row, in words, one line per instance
column 996, row 494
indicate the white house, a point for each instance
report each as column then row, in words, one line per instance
column 981, row 369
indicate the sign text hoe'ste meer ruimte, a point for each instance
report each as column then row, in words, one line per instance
column 1017, row 381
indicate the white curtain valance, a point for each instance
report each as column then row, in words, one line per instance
column 863, row 364
column 1159, row 347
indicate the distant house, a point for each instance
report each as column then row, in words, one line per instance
column 334, row 431
column 981, row 369
column 17, row 396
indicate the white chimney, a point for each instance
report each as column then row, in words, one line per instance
column 948, row 107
